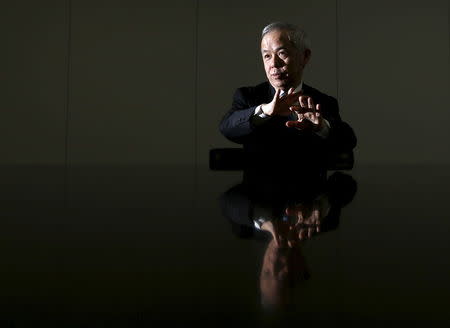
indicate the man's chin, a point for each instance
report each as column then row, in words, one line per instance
column 283, row 85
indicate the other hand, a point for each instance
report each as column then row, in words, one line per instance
column 308, row 115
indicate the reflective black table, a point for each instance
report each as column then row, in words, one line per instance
column 152, row 246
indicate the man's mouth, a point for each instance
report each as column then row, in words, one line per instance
column 279, row 76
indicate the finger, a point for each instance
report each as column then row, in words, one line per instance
column 317, row 217
column 292, row 98
column 317, row 110
column 299, row 222
column 302, row 234
column 310, row 232
column 277, row 94
column 291, row 124
column 290, row 91
column 290, row 211
column 294, row 94
column 310, row 103
column 303, row 100
column 300, row 218
column 295, row 124
column 300, row 124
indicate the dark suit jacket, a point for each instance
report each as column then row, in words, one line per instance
column 272, row 138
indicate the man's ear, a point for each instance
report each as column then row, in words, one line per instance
column 306, row 56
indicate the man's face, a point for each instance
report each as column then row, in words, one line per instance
column 283, row 62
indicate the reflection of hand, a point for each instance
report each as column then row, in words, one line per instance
column 308, row 115
column 280, row 105
column 284, row 233
column 304, row 223
column 308, row 219
column 281, row 232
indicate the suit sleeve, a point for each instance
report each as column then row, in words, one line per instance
column 237, row 125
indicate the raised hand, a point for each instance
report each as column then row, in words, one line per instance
column 280, row 105
column 308, row 115
column 309, row 217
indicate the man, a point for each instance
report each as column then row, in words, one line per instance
column 284, row 117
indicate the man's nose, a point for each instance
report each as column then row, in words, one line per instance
column 276, row 61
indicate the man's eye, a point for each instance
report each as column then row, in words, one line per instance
column 282, row 54
column 266, row 56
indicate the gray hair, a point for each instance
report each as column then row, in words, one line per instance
column 296, row 34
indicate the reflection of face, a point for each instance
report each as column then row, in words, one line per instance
column 282, row 269
column 283, row 62
column 274, row 278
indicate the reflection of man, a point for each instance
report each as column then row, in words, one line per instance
column 284, row 115
column 287, row 212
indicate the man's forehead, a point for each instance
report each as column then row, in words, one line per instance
column 275, row 40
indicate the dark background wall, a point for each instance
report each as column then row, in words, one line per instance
column 138, row 82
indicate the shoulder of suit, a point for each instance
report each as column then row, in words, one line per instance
column 316, row 94
column 260, row 88
column 257, row 93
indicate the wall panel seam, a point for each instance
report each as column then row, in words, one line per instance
column 196, row 77
column 337, row 50
column 68, row 76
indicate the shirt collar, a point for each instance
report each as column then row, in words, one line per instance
column 297, row 89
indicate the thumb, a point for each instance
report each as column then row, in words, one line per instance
column 277, row 94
